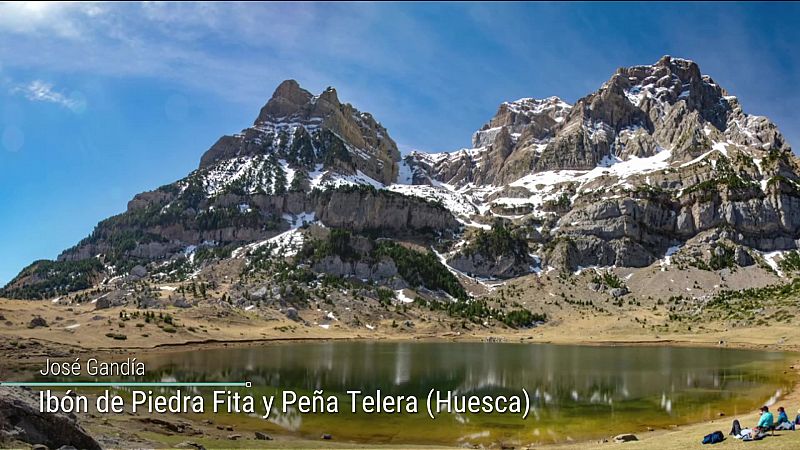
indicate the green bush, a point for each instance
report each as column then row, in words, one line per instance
column 117, row 336
column 522, row 318
column 790, row 261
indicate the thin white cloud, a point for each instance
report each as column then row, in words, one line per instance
column 40, row 91
column 60, row 19
column 190, row 43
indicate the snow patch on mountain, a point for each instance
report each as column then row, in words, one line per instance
column 461, row 205
column 287, row 243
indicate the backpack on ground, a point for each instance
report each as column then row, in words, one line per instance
column 713, row 438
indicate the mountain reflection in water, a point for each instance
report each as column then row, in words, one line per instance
column 639, row 386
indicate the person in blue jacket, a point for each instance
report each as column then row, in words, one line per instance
column 783, row 422
column 766, row 421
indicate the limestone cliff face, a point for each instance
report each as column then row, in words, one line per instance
column 162, row 229
column 504, row 148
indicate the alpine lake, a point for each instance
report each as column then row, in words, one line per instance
column 574, row 392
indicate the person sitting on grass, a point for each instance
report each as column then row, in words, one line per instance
column 783, row 420
column 765, row 422
column 797, row 419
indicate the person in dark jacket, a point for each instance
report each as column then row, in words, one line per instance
column 783, row 422
column 736, row 429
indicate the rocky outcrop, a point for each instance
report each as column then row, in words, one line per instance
column 528, row 118
column 497, row 253
column 483, row 266
column 381, row 271
column 21, row 421
column 634, row 232
column 507, row 146
column 367, row 209
column 353, row 208
column 572, row 252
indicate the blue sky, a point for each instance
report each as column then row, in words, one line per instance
column 101, row 101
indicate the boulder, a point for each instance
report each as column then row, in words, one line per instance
column 743, row 257
column 20, row 420
column 138, row 272
column 263, row 436
column 181, row 302
column 191, row 444
column 37, row 322
column 618, row 292
column 103, row 303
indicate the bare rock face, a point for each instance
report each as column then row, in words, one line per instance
column 359, row 210
column 378, row 271
column 527, row 118
column 640, row 110
column 572, row 252
column 507, row 146
column 224, row 220
column 21, row 421
column 658, row 155
column 288, row 100
column 479, row 265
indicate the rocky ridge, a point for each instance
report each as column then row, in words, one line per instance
column 660, row 165
column 659, row 156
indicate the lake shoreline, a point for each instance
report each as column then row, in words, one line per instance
column 505, row 339
column 657, row 439
column 22, row 348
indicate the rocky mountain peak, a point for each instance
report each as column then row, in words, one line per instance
column 329, row 95
column 306, row 134
column 287, row 100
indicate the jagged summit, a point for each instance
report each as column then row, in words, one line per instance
column 287, row 100
column 313, row 133
column 290, row 102
column 639, row 111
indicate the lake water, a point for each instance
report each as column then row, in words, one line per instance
column 577, row 392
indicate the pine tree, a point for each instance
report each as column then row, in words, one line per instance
column 280, row 180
